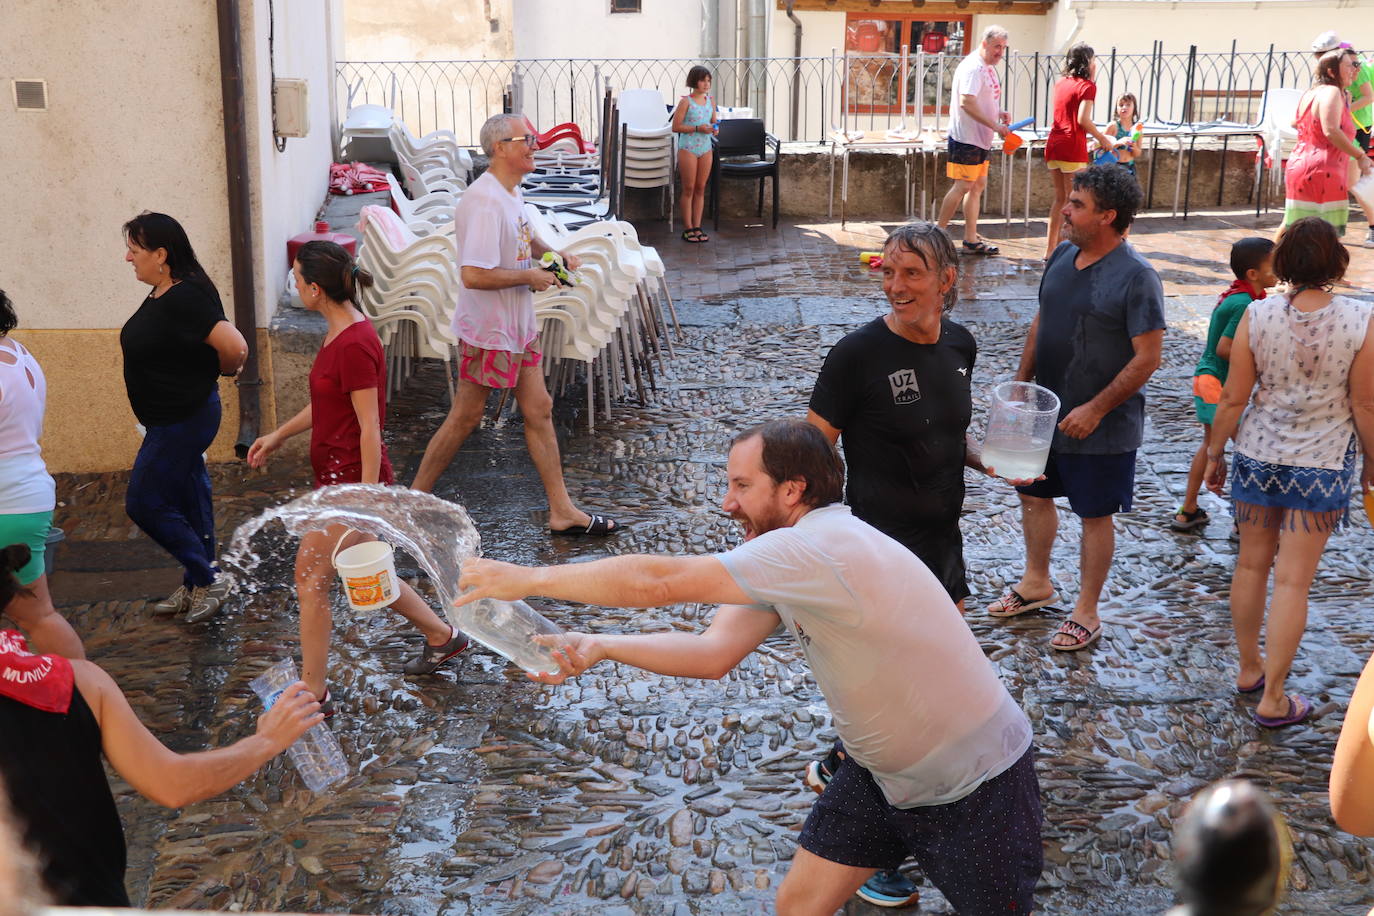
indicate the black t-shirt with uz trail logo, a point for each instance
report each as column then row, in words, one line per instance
column 903, row 410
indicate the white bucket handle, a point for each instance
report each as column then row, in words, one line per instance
column 338, row 545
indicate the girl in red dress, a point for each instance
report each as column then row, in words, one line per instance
column 1066, row 150
column 345, row 416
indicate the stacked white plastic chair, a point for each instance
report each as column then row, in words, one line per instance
column 646, row 143
column 1277, row 130
column 434, row 163
column 415, row 290
column 621, row 314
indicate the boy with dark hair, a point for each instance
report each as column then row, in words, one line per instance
column 1252, row 263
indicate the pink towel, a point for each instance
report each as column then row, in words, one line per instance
column 355, row 178
column 396, row 233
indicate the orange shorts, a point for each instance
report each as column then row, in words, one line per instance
column 1207, row 387
column 493, row 368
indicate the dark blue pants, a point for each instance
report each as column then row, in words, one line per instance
column 169, row 491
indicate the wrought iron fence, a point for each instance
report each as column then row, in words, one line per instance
column 805, row 98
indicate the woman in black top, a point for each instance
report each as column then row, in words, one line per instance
column 175, row 348
column 58, row 717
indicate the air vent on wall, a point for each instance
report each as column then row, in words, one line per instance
column 31, row 95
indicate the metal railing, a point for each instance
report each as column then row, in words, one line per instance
column 805, row 98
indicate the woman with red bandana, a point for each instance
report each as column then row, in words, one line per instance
column 58, row 716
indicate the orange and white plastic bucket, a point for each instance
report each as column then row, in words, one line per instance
column 368, row 574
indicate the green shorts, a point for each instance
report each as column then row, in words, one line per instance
column 1206, row 413
column 29, row 528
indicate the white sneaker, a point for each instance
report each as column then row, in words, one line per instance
column 1369, row 239
column 178, row 602
column 206, row 600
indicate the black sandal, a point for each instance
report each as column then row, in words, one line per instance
column 689, row 235
column 598, row 526
column 981, row 247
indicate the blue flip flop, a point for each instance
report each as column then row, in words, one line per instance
column 1299, row 708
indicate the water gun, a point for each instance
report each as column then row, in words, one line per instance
column 874, row 259
column 552, row 261
column 1012, row 141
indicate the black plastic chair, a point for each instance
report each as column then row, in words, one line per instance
column 741, row 151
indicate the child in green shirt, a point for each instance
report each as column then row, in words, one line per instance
column 1252, row 264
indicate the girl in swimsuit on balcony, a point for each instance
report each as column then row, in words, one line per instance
column 694, row 121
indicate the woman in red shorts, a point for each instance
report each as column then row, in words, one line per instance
column 345, row 416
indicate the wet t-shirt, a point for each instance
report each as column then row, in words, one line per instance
column 1087, row 320
column 912, row 695
column 169, row 369
column 902, row 409
column 353, row 361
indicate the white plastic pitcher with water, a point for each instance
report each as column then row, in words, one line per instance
column 1021, row 424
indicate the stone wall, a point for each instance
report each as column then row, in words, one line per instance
column 877, row 178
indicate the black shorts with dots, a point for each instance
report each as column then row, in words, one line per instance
column 983, row 851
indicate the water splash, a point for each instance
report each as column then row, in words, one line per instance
column 439, row 535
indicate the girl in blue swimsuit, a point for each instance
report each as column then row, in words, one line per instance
column 694, row 121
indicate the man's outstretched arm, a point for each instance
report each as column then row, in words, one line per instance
column 639, row 580
column 734, row 632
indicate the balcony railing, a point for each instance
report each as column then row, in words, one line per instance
column 805, row 98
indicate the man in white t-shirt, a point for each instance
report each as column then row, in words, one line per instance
column 975, row 117
column 937, row 763
column 495, row 324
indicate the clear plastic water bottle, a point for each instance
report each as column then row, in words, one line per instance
column 509, row 627
column 316, row 754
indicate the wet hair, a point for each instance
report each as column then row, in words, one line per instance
column 993, row 31
column 330, row 267
column 494, row 130
column 1112, row 189
column 1135, row 104
column 1078, row 61
column 1329, row 68
column 151, row 231
column 1310, row 254
column 12, row 559
column 935, row 249
column 696, row 75
column 8, row 319
column 796, row 450
column 1248, row 254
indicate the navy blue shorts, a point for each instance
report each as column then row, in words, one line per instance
column 983, row 851
column 1096, row 485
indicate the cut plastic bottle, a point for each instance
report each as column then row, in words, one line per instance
column 316, row 754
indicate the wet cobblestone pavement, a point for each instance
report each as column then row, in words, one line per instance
column 480, row 792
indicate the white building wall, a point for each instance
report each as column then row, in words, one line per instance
column 135, row 122
column 587, row 28
column 289, row 186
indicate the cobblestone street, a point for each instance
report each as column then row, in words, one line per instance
column 477, row 791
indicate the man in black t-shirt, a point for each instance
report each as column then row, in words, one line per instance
column 903, row 409
column 897, row 391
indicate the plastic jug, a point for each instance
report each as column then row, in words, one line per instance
column 509, row 628
column 321, row 234
column 1021, row 424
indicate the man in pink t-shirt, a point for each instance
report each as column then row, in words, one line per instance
column 975, row 119
column 495, row 324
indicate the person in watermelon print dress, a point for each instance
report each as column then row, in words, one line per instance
column 1316, row 177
